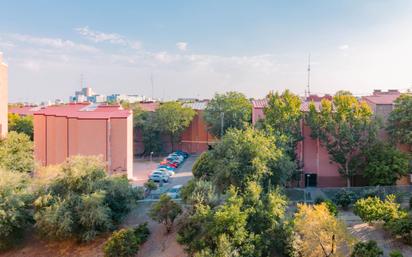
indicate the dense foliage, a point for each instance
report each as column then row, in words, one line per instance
column 165, row 211
column 319, row 233
column 246, row 224
column 240, row 157
column 15, row 203
column 383, row 164
column 344, row 198
column 21, row 124
column 367, row 249
column 283, row 117
column 83, row 201
column 344, row 126
column 126, row 242
column 400, row 120
column 233, row 108
column 16, row 153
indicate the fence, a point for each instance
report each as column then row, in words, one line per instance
column 309, row 194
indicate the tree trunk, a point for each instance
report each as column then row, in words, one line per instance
column 348, row 177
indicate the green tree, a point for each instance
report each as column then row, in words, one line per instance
column 233, row 108
column 283, row 116
column 344, row 126
column 372, row 209
column 383, row 164
column 243, row 156
column 400, row 120
column 165, row 211
column 15, row 203
column 21, row 124
column 172, row 119
column 83, row 202
column 16, row 153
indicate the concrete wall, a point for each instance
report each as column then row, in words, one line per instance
column 3, row 98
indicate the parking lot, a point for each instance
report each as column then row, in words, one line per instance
column 142, row 169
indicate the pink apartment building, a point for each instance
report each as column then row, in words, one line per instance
column 317, row 168
column 85, row 129
column 3, row 97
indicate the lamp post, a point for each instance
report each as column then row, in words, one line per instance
column 151, row 156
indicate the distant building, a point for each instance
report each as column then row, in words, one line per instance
column 3, row 97
column 382, row 103
column 117, row 98
column 82, row 129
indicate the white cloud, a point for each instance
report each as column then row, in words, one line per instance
column 56, row 43
column 113, row 38
column 343, row 47
column 182, row 46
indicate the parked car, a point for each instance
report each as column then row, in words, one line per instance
column 166, row 167
column 158, row 176
column 174, row 192
column 168, row 172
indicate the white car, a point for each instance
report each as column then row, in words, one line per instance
column 168, row 172
column 174, row 192
column 158, row 176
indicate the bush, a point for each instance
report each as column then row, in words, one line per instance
column 83, row 201
column 150, row 185
column 374, row 209
column 15, row 202
column 401, row 227
column 395, row 253
column 367, row 249
column 126, row 242
column 344, row 198
column 16, row 153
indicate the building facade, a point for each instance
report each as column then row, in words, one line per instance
column 83, row 129
column 3, row 97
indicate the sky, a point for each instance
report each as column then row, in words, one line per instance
column 198, row 48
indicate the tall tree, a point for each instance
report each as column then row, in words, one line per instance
column 400, row 120
column 344, row 126
column 172, row 118
column 229, row 110
column 16, row 153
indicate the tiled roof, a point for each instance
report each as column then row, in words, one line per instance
column 197, row 105
column 85, row 111
column 382, row 98
column 304, row 107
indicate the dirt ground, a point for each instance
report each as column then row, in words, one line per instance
column 159, row 243
column 364, row 232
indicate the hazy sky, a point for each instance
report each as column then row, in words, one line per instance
column 197, row 48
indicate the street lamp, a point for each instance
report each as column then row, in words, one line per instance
column 151, row 156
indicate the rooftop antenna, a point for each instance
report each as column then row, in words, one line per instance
column 308, row 90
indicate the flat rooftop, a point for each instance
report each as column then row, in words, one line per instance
column 85, row 111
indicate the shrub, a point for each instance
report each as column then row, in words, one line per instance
column 401, row 227
column 395, row 253
column 374, row 209
column 83, row 201
column 14, row 207
column 150, row 185
column 16, row 153
column 319, row 200
column 126, row 242
column 366, row 249
column 344, row 198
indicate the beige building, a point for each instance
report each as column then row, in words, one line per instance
column 3, row 97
